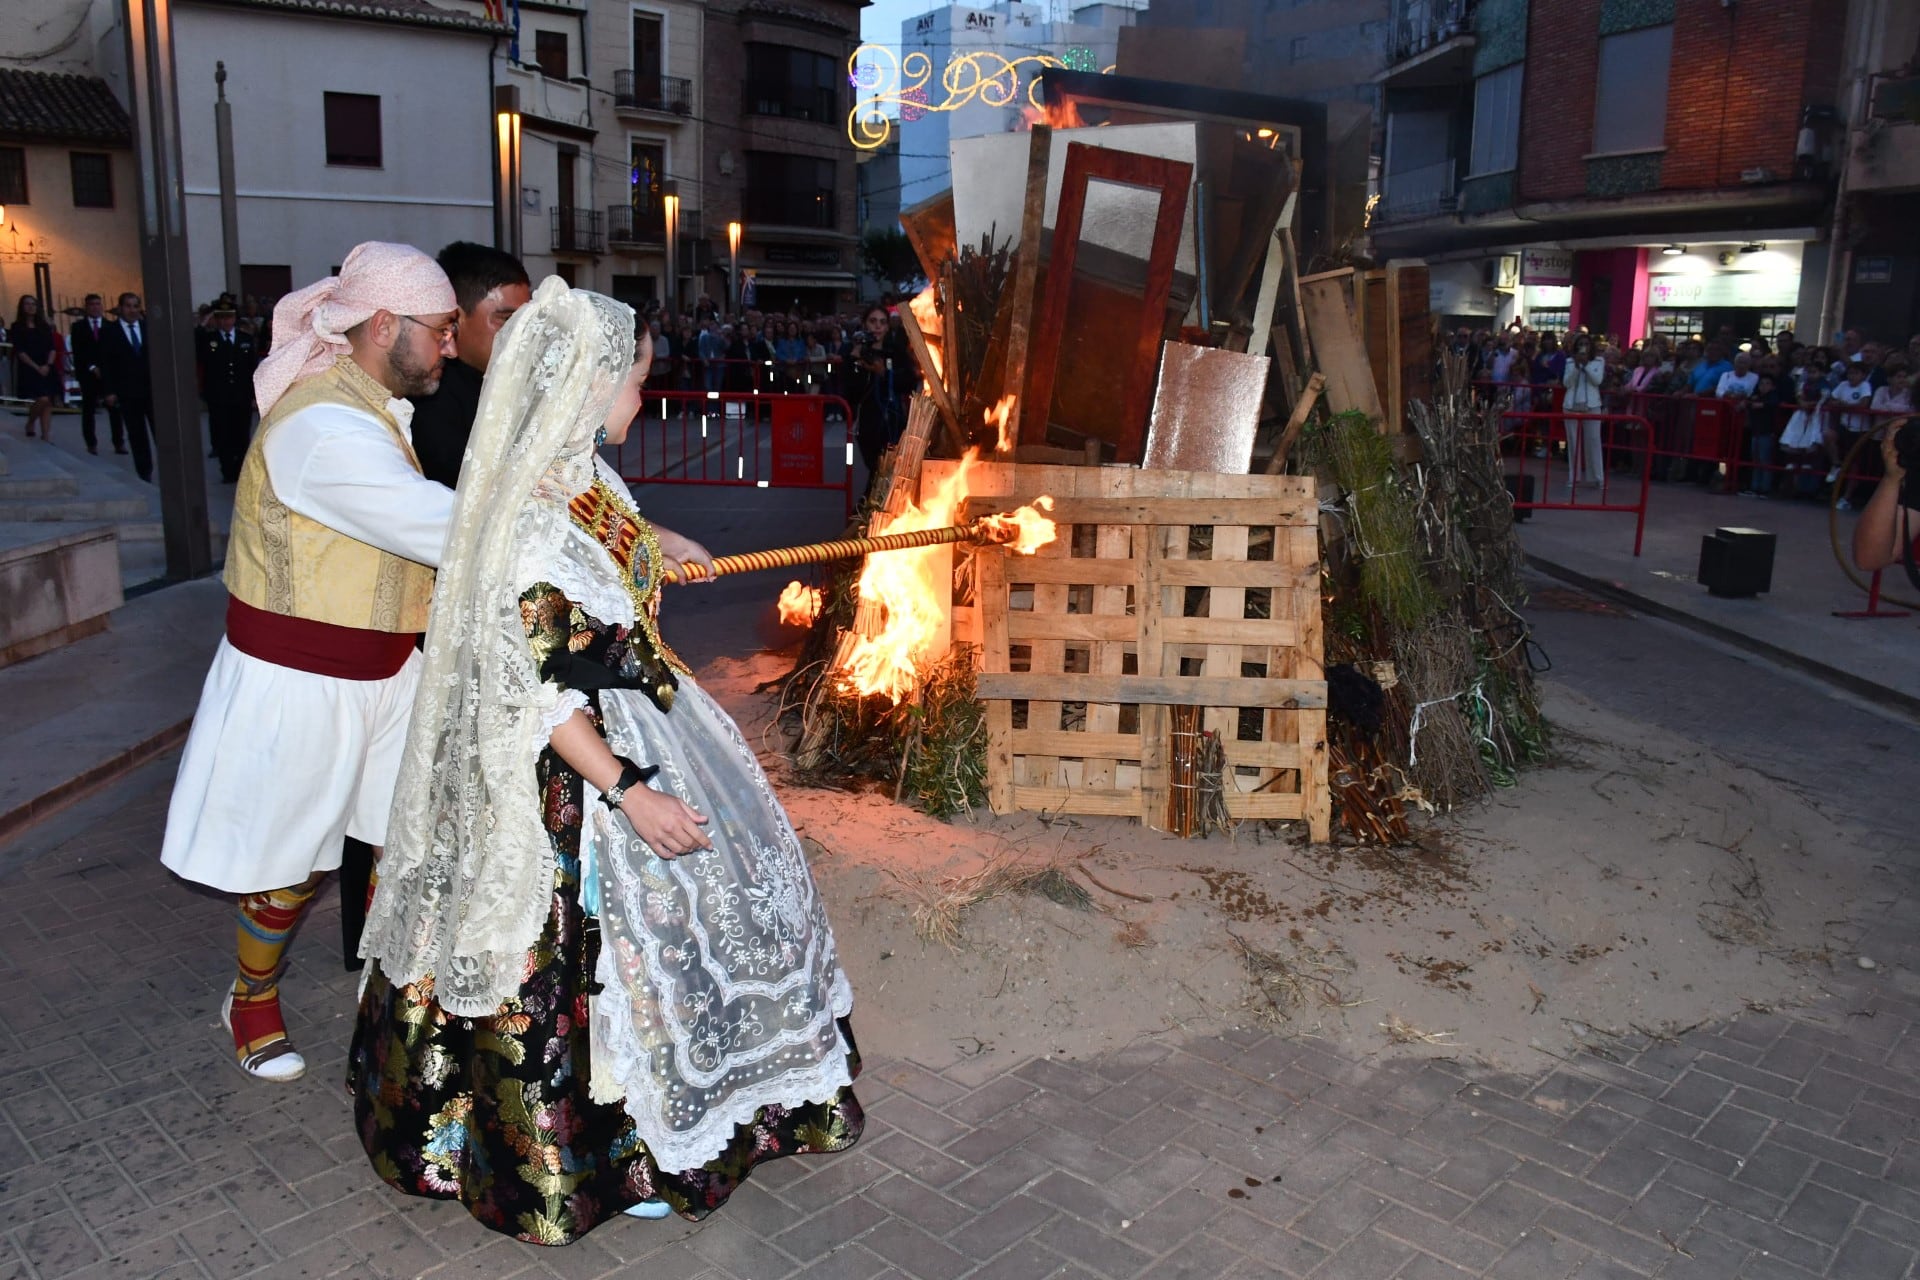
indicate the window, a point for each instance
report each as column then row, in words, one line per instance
column 1496, row 121
column 790, row 191
column 353, row 129
column 645, row 177
column 649, row 46
column 1630, row 106
column 1297, row 49
column 13, row 175
column 1680, row 326
column 1548, row 321
column 796, row 83
column 92, row 179
column 550, row 52
column 1772, row 322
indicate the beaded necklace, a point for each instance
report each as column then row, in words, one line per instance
column 609, row 519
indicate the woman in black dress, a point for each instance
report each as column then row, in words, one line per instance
column 36, row 360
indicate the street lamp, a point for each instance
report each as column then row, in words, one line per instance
column 733, row 264
column 670, row 203
column 506, row 117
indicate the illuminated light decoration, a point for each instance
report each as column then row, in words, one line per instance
column 1079, row 58
column 904, row 83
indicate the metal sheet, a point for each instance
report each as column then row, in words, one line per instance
column 1205, row 409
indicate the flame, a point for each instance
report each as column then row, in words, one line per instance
column 913, row 590
column 1024, row 530
column 997, row 418
column 1058, row 115
column 926, row 313
column 799, row 605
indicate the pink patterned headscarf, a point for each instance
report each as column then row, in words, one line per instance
column 310, row 325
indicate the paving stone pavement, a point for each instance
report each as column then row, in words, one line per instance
column 1773, row 1145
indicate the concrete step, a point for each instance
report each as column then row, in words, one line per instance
column 75, row 510
column 34, row 470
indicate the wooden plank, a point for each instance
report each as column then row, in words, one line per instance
column 1033, row 570
column 1113, row 543
column 1082, row 800
column 1159, row 691
column 1256, row 512
column 1151, row 601
column 1049, row 657
column 1296, row 422
column 1274, row 272
column 1059, row 742
column 990, row 591
column 1215, row 632
column 1026, row 271
column 930, row 230
column 1277, row 574
column 1041, row 624
column 936, row 388
column 1409, row 291
column 1302, row 339
column 1171, row 178
column 1336, row 337
column 1375, row 312
column 1276, row 806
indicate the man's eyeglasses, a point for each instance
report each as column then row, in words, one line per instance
column 444, row 332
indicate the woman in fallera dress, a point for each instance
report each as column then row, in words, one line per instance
column 602, row 978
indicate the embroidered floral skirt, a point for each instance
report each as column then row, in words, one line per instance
column 495, row 1112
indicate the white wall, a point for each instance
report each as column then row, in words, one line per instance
column 436, row 182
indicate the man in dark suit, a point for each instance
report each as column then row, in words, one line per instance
column 227, row 357
column 129, row 384
column 489, row 286
column 83, row 344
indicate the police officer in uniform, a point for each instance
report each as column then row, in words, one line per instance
column 228, row 355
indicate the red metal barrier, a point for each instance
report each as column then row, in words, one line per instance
column 740, row 439
column 1543, row 427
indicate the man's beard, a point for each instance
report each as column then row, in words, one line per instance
column 411, row 378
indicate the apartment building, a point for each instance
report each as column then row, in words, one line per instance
column 1631, row 166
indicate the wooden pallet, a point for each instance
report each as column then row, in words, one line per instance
column 1143, row 604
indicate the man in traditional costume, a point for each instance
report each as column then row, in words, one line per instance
column 336, row 534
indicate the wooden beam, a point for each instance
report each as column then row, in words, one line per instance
column 1026, row 270
column 932, row 379
column 1295, row 422
column 930, row 230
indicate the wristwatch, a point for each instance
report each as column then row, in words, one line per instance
column 631, row 776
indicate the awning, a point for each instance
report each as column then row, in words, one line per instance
column 804, row 280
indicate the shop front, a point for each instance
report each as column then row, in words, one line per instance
column 1749, row 290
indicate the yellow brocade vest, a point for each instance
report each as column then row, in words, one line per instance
column 281, row 562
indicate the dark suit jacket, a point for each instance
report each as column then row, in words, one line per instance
column 226, row 368
column 443, row 421
column 125, row 369
column 84, row 350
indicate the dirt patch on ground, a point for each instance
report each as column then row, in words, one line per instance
column 1638, row 885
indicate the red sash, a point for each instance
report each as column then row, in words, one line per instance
column 321, row 648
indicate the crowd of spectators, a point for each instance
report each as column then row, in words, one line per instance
column 1799, row 409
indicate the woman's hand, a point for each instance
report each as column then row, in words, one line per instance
column 681, row 551
column 668, row 824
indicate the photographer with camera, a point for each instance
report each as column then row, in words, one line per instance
column 1891, row 519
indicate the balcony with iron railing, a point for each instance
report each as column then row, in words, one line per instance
column 646, row 92
column 576, row 230
column 1886, row 153
column 1432, row 44
column 1422, row 192
column 631, row 230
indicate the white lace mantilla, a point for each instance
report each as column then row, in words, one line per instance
column 466, row 880
column 722, row 982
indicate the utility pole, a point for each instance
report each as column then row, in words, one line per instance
column 179, row 460
column 229, row 197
